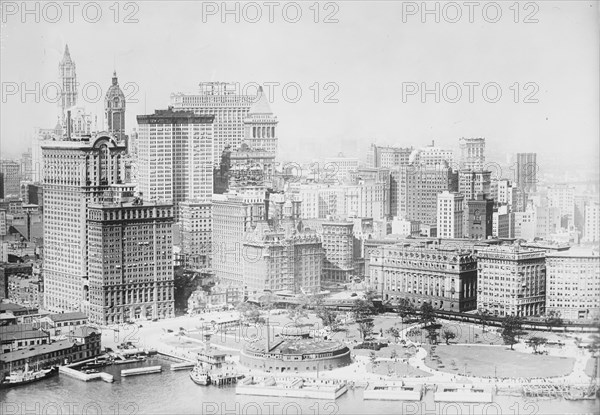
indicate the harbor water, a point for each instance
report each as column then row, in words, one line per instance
column 173, row 392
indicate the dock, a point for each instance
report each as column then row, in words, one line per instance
column 463, row 393
column 182, row 365
column 221, row 379
column 141, row 371
column 393, row 391
column 292, row 388
column 72, row 373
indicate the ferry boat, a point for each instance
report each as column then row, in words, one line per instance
column 200, row 376
column 18, row 378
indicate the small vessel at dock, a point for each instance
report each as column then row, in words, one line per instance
column 200, row 375
column 24, row 377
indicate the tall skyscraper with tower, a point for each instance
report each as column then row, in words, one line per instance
column 68, row 76
column 114, row 109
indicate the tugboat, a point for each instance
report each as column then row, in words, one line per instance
column 24, row 377
column 200, row 376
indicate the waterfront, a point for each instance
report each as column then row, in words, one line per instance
column 173, row 392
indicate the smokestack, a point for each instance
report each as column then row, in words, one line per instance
column 69, row 125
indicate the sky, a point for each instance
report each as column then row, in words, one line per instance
column 361, row 68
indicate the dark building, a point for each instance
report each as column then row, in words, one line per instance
column 480, row 217
column 1, row 185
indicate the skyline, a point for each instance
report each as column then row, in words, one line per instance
column 368, row 110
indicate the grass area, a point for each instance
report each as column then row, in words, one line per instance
column 465, row 334
column 489, row 361
column 401, row 352
column 589, row 367
column 396, row 369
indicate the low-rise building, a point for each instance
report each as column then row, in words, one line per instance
column 80, row 344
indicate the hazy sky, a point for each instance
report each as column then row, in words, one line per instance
column 369, row 54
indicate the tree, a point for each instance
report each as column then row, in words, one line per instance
column 594, row 346
column 536, row 341
column 373, row 359
column 250, row 312
column 432, row 334
column 365, row 327
column 553, row 318
column 427, row 314
column 448, row 335
column 297, row 314
column 405, row 308
column 511, row 328
column 394, row 332
column 362, row 308
column 328, row 317
column 483, row 314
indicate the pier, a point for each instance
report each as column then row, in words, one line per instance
column 393, row 391
column 86, row 377
column 292, row 388
column 182, row 365
column 141, row 371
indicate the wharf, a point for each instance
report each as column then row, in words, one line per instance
column 393, row 391
column 466, row 393
column 141, row 371
column 182, row 365
column 86, row 377
column 292, row 387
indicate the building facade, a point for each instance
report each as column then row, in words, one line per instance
column 76, row 173
column 526, row 172
column 229, row 107
column 472, row 153
column 196, row 234
column 573, row 282
column 450, row 215
column 130, row 261
column 174, row 157
column 338, row 243
column 479, row 217
column 511, row 280
column 444, row 277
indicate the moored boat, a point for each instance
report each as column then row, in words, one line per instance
column 19, row 378
column 200, row 376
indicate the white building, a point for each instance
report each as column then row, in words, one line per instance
column 76, row 173
column 229, row 107
column 174, row 157
column 573, row 282
column 511, row 280
column 591, row 227
column 472, row 153
column 450, row 215
column 562, row 196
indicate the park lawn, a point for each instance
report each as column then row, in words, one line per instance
column 396, row 369
column 465, row 334
column 483, row 360
column 401, row 352
column 589, row 367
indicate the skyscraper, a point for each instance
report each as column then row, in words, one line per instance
column 472, row 153
column 76, row 173
column 175, row 157
column 450, row 215
column 526, row 172
column 229, row 108
column 114, row 109
column 68, row 76
column 414, row 191
column 129, row 260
